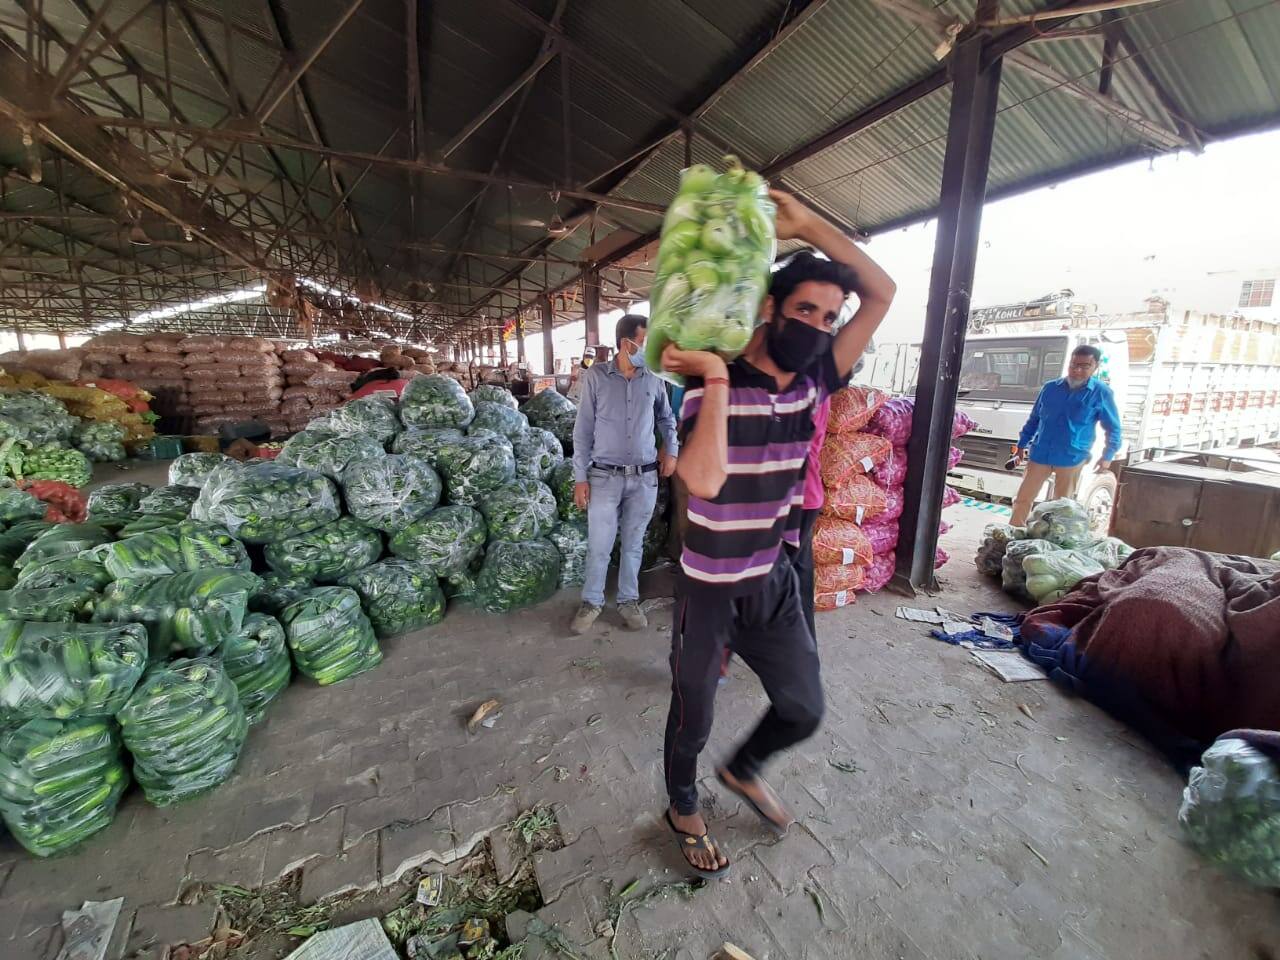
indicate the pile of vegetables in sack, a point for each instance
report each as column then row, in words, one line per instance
column 40, row 440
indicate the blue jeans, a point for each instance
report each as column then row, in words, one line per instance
column 615, row 500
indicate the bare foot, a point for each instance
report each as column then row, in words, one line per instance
column 711, row 858
column 767, row 803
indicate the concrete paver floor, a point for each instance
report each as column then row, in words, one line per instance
column 942, row 814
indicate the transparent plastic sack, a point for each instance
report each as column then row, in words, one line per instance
column 60, row 781
column 64, row 539
column 840, row 542
column 263, row 502
column 570, row 538
column 372, row 416
column 326, row 553
column 435, row 401
column 555, row 413
column 447, row 540
column 853, row 407
column 1052, row 574
column 330, row 637
column 1231, row 810
column 184, row 613
column 714, row 255
column 537, row 453
column 1063, row 522
column 276, row 591
column 258, row 663
column 185, row 727
column 390, row 492
column 62, row 670
column 424, row 443
column 561, row 484
column 65, row 570
column 1012, row 577
column 474, row 467
column 1111, row 552
column 398, row 596
column 517, row 575
column 185, row 547
column 18, row 537
column 492, row 393
column 35, row 417
column 16, row 504
column 116, row 499
column 148, row 522
column 60, row 604
column 846, row 454
column 328, row 453
column 172, row 499
column 519, row 510
column 996, row 538
column 192, row 469
column 56, row 462
column 500, row 419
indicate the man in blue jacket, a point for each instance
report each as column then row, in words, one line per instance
column 1059, row 434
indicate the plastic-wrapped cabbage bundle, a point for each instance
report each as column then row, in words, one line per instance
column 101, row 442
column 188, row 613
column 54, row 462
column 16, row 539
column 570, row 538
column 398, row 595
column 391, row 492
column 475, row 466
column 193, row 469
column 1231, row 809
column 713, row 262
column 996, row 537
column 537, row 453
column 116, row 499
column 435, row 401
column 47, row 604
column 329, row 635
column 1013, row 577
column 329, row 453
column 499, row 418
column 276, row 591
column 517, row 575
column 190, row 545
column 173, row 499
column 36, row 417
column 150, row 521
column 326, row 553
column 64, row 539
column 1063, row 522
column 425, row 443
column 18, row 504
column 60, row 781
column 61, row 670
column 1053, row 574
column 258, row 663
column 492, row 393
column 64, row 571
column 561, row 484
column 268, row 501
column 447, row 540
column 1111, row 552
column 520, row 510
column 185, row 727
column 372, row 416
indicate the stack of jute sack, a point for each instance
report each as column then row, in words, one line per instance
column 312, row 387
column 230, row 379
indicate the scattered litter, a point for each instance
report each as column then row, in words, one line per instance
column 486, row 716
column 916, row 615
column 604, row 928
column 430, row 889
column 816, row 897
column 1039, row 856
column 647, row 710
column 655, row 603
column 994, row 630
column 955, row 628
column 561, row 774
column 594, row 719
column 880, row 710
column 356, row 941
column 1027, row 711
column 586, row 663
column 1009, row 665
column 729, row 952
column 87, row 932
column 844, row 766
column 474, row 930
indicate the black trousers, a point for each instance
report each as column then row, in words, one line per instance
column 802, row 560
column 767, row 629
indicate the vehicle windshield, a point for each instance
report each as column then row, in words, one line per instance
column 1010, row 369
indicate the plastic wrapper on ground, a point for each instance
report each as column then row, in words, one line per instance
column 192, row 469
column 330, row 637
column 398, row 595
column 537, row 453
column 64, row 539
column 447, row 540
column 185, row 613
column 517, row 575
column 116, row 499
column 170, row 499
column 839, row 542
column 474, row 467
column 183, row 548
column 372, row 416
column 391, row 492
column 185, row 727
column 326, row 553
column 561, row 484
column 499, row 418
column 257, row 661
column 570, row 538
column 1052, row 574
column 62, row 670
column 328, row 453
column 263, row 502
column 1063, row 522
column 520, row 510
column 435, row 401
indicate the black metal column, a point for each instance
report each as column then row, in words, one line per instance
column 591, row 306
column 519, row 337
column 975, row 90
column 548, row 348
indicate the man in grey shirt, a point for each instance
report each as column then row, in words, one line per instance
column 616, row 466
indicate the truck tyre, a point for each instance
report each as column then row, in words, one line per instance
column 1099, row 501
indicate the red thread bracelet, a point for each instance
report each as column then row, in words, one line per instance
column 709, row 381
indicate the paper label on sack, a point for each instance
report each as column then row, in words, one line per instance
column 846, row 555
column 842, row 598
column 866, row 463
column 861, row 512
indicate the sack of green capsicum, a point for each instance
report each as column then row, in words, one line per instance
column 330, row 637
column 517, row 575
column 185, row 613
column 262, row 502
column 448, row 540
column 258, row 663
column 519, row 510
column 62, row 670
column 328, row 453
column 60, row 781
column 193, row 469
column 184, row 726
column 326, row 553
column 390, row 492
column 714, row 254
column 397, row 595
column 183, row 548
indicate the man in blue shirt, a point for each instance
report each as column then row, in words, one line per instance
column 616, row 467
column 1059, row 434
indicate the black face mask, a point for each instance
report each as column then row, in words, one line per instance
column 795, row 346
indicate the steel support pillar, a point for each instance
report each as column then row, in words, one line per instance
column 975, row 92
column 591, row 305
column 548, row 347
column 502, row 349
column 519, row 337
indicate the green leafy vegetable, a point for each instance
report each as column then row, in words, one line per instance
column 447, row 540
column 561, row 484
column 372, row 416
column 398, row 595
column 520, row 510
column 53, row 462
column 18, row 504
column 500, row 419
column 328, row 453
column 570, row 538
column 193, row 469
column 116, row 499
column 100, row 442
column 517, row 575
column 171, row 499
column 435, row 401
column 475, row 466
column 492, row 393
column 537, row 453
column 326, row 553
column 390, row 492
column 425, row 443
column 263, row 502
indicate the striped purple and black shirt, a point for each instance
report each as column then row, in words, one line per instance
column 733, row 541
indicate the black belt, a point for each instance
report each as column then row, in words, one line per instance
column 625, row 471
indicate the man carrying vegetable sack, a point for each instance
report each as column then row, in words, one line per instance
column 749, row 426
column 616, row 466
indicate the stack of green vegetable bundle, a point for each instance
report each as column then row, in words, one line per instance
column 183, row 548
column 1064, row 523
column 474, row 466
column 193, row 469
column 17, row 538
column 35, row 417
column 63, row 670
column 425, row 443
column 447, row 540
column 517, row 575
column 61, row 540
column 398, row 595
column 116, row 499
column 435, row 401
column 147, row 522
column 553, row 412
column 492, row 393
column 173, row 499
column 101, row 442
column 326, row 553
column 330, row 637
column 62, row 571
column 60, row 781
column 188, row 613
column 184, row 726
column 276, row 591
column 55, row 462
column 519, row 510
column 537, row 453
column 328, row 453
column 18, row 504
column 258, row 663
column 390, row 492
column 570, row 538
column 373, row 416
column 47, row 604
column 262, row 502
column 499, row 418
column 561, row 483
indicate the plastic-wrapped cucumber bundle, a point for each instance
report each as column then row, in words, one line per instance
column 1231, row 808
column 175, row 499
column 537, row 453
column 390, row 492
column 424, row 444
column 150, row 521
column 475, row 466
column 276, row 591
column 60, row 781
column 258, row 663
column 329, row 635
column 100, row 442
column 447, row 540
column 188, row 546
column 397, row 595
column 517, row 575
column 188, row 613
column 1111, row 552
column 329, row 453
column 1013, row 578
column 116, row 499
column 16, row 539
column 193, row 469
column 35, row 416
column 499, row 418
column 561, row 484
column 372, row 416
column 62, row 670
column 1062, row 522
column 18, row 504
column 64, row 571
column 326, row 553
column 996, row 538
column 520, row 510
column 54, row 462
column 435, row 401
column 492, row 393
column 570, row 538
column 262, row 502
column 185, row 727
column 47, row 604
column 713, row 262
column 64, row 539
column 1054, row 573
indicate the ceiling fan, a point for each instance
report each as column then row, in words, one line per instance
column 556, row 226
